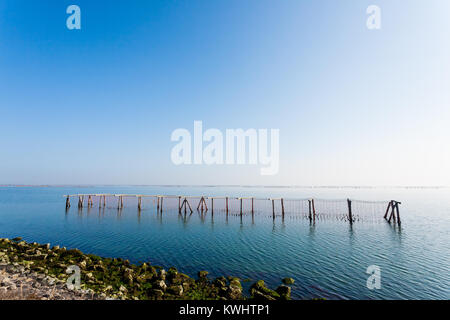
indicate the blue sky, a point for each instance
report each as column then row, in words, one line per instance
column 98, row 105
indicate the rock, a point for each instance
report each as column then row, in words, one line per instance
column 83, row 264
column 284, row 292
column 203, row 274
column 220, row 282
column 122, row 289
column 176, row 290
column 259, row 291
column 261, row 296
column 234, row 292
column 172, row 272
column 160, row 284
column 162, row 274
column 157, row 293
column 288, row 281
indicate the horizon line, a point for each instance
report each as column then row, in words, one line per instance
column 212, row 186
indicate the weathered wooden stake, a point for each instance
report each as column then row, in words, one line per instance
column 157, row 204
column 80, row 201
column 252, row 206
column 314, row 209
column 161, row 205
column 387, row 209
column 398, row 213
column 310, row 214
column 282, row 208
column 67, row 202
column 241, row 207
column 350, row 217
column 212, row 205
column 392, row 215
column 189, row 205
column 273, row 209
column 139, row 203
column 179, row 204
column 227, row 204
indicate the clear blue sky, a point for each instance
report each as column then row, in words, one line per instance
column 98, row 105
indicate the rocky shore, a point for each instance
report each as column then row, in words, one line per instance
column 36, row 271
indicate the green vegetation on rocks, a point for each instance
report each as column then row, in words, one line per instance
column 119, row 279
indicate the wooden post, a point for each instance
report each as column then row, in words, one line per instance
column 179, row 204
column 241, row 207
column 139, row 203
column 310, row 208
column 392, row 215
column 189, row 206
column 212, row 205
column 282, row 208
column 67, row 202
column 314, row 209
column 273, row 209
column 161, row 206
column 157, row 204
column 184, row 204
column 252, row 206
column 80, row 201
column 227, row 204
column 387, row 209
column 398, row 213
column 104, row 201
column 350, row 217
column 89, row 201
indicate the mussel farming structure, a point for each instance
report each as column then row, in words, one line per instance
column 313, row 209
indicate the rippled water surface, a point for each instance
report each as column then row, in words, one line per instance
column 328, row 259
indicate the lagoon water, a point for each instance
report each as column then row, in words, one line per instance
column 328, row 259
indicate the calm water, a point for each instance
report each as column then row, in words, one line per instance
column 327, row 260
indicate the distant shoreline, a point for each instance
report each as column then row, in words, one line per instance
column 217, row 186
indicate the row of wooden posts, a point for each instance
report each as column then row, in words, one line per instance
column 184, row 206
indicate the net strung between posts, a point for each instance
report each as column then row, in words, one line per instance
column 286, row 208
